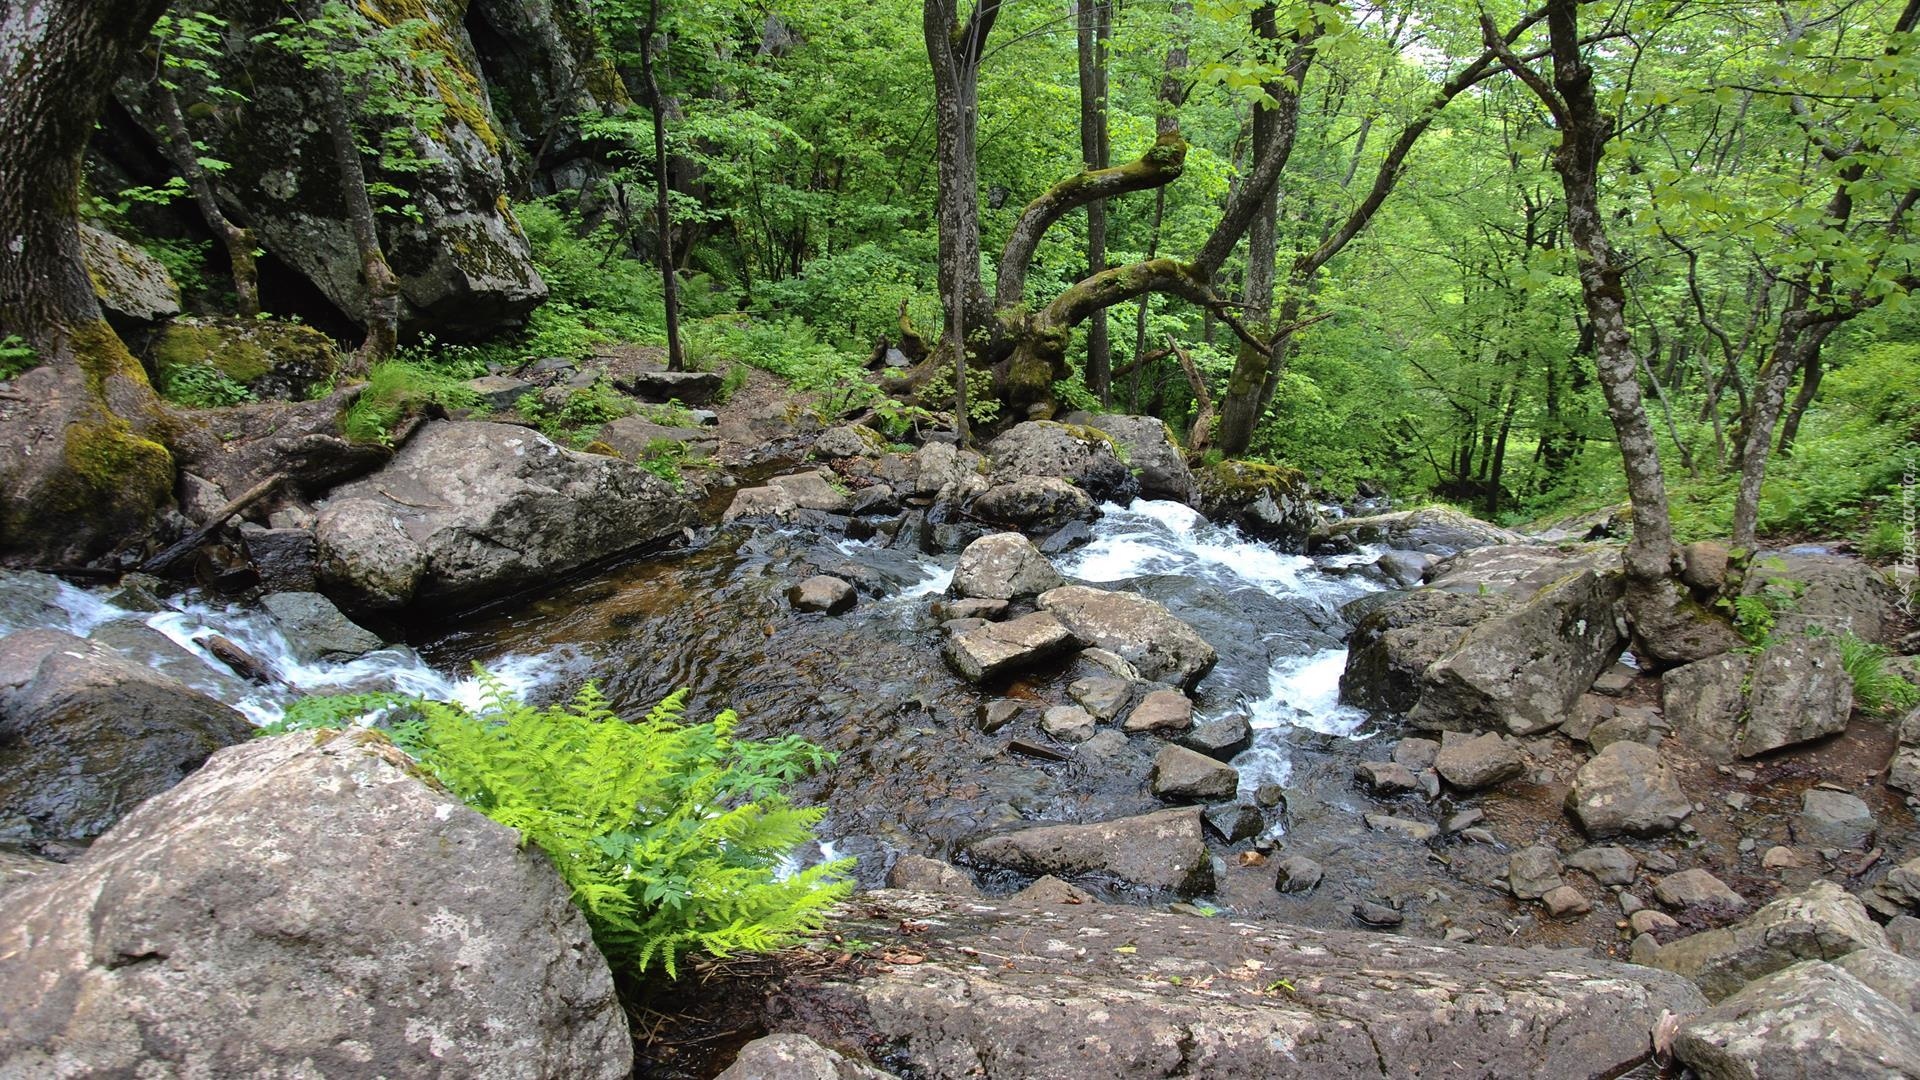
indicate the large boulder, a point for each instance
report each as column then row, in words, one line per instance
column 1267, row 502
column 1671, row 626
column 1437, row 530
column 1085, row 457
column 1627, row 789
column 1394, row 642
column 463, row 261
column 1139, row 630
column 1093, row 990
column 992, row 649
column 87, row 735
column 1812, row 1020
column 1003, row 566
column 316, row 630
column 1154, row 457
column 468, row 511
column 1799, row 692
column 1824, row 922
column 1832, row 593
column 305, row 906
column 130, row 283
column 271, row 358
column 1035, row 504
column 1522, row 671
column 1164, row 851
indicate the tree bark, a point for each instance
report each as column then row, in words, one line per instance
column 954, row 49
column 1094, row 22
column 669, row 277
column 382, row 315
column 238, row 242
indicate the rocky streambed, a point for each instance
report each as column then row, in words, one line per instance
column 1053, row 685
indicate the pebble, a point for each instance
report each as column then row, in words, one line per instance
column 1647, row 921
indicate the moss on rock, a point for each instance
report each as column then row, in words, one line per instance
column 271, row 358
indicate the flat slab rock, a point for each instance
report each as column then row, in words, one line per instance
column 1093, row 990
column 1812, row 1020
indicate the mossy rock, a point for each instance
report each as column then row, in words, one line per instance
column 1236, row 481
column 272, row 359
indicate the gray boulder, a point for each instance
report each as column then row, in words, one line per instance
column 1671, row 626
column 636, row 438
column 86, row 735
column 1626, row 788
column 1812, row 1021
column 1697, row 888
column 1182, row 775
column 1394, row 643
column 1060, row 999
column 1607, row 865
column 1084, row 457
column 1800, row 692
column 813, row 490
column 1705, row 702
column 1534, row 871
column 1165, row 850
column 1223, row 739
column 1522, row 671
column 304, row 900
column 469, row 511
column 1036, row 504
column 686, row 387
column 1153, row 456
column 1068, row 723
column 1833, row 819
column 1474, row 762
column 796, row 1057
column 1003, row 566
column 1437, row 530
column 848, row 441
column 1892, row 976
column 1139, row 630
column 316, row 630
column 1835, row 594
column 992, row 649
column 1823, row 922
column 1166, row 713
column 129, row 282
column 821, row 593
column 1271, row 503
column 922, row 874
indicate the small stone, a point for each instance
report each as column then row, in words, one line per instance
column 972, row 608
column 1474, row 762
column 1534, row 871
column 1834, row 819
column 1464, row 820
column 1614, row 681
column 1270, row 795
column 1779, row 857
column 821, row 593
column 812, row 491
column 1648, row 921
column 1644, row 949
column 1380, row 915
column 1608, row 865
column 1402, row 827
column 1068, row 723
column 1298, row 874
column 1386, row 777
column 1104, row 745
column 1050, row 891
column 1630, row 903
column 1181, row 775
column 997, row 714
column 1626, row 726
column 1626, row 788
column 1234, row 821
column 1222, row 739
column 1163, row 712
column 1696, row 888
column 1566, row 902
column 1101, row 694
column 1659, row 862
column 1903, row 933
column 1458, row 935
column 1416, row 754
column 921, row 874
column 1479, row 835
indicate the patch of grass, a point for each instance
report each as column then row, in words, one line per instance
column 1877, row 689
column 202, row 386
column 397, row 390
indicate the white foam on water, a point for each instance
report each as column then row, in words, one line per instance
column 1160, row 537
column 1305, row 693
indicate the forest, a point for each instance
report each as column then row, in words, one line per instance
column 959, row 537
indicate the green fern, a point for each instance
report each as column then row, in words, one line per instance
column 670, row 835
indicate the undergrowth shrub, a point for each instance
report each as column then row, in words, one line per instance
column 672, row 837
column 398, row 389
column 202, row 386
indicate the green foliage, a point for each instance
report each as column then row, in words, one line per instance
column 398, row 389
column 664, row 458
column 16, row 356
column 598, row 293
column 1756, row 613
column 670, row 835
column 202, row 386
column 1877, row 689
column 332, row 712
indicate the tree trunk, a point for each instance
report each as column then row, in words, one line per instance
column 954, row 48
column 1809, row 388
column 382, row 315
column 669, row 278
column 1797, row 344
column 238, row 241
column 1166, row 122
column 80, row 471
column 1093, row 27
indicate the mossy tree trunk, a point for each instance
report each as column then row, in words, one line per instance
column 79, row 468
column 662, row 215
column 1094, row 27
column 382, row 314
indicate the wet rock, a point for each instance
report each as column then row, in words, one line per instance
column 29, row 600
column 1626, row 788
column 1102, row 662
column 821, row 592
column 1800, row 692
column 1405, row 569
column 1833, row 819
column 686, row 387
column 467, row 511
column 1371, row 913
column 848, row 441
column 1101, row 694
column 1165, row 713
column 427, row 940
column 992, row 649
column 1823, row 922
column 1182, row 775
column 88, row 735
column 1298, row 874
column 1082, row 457
column 1107, row 745
column 1386, row 777
column 1670, row 627
column 316, row 630
column 796, row 1057
column 1810, row 1020
column 1522, row 671
column 1035, row 504
column 1437, row 530
column 1067, row 537
column 1394, row 643
column 987, row 610
column 1696, row 888
column 997, row 714
column 1565, row 902
column 1649, row 921
column 130, row 283
column 1050, row 891
column 1471, row 763
column 1416, row 754
column 1068, row 723
column 1832, row 593
column 287, row 560
column 1140, row 630
column 1271, row 503
column 877, row 500
column 1165, row 850
column 1003, row 566
column 1235, row 821
column 921, row 874
column 1606, row 865
column 1223, row 739
column 813, row 491
column 1152, row 455
column 1534, row 871
column 1405, row 828
column 1891, row 975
